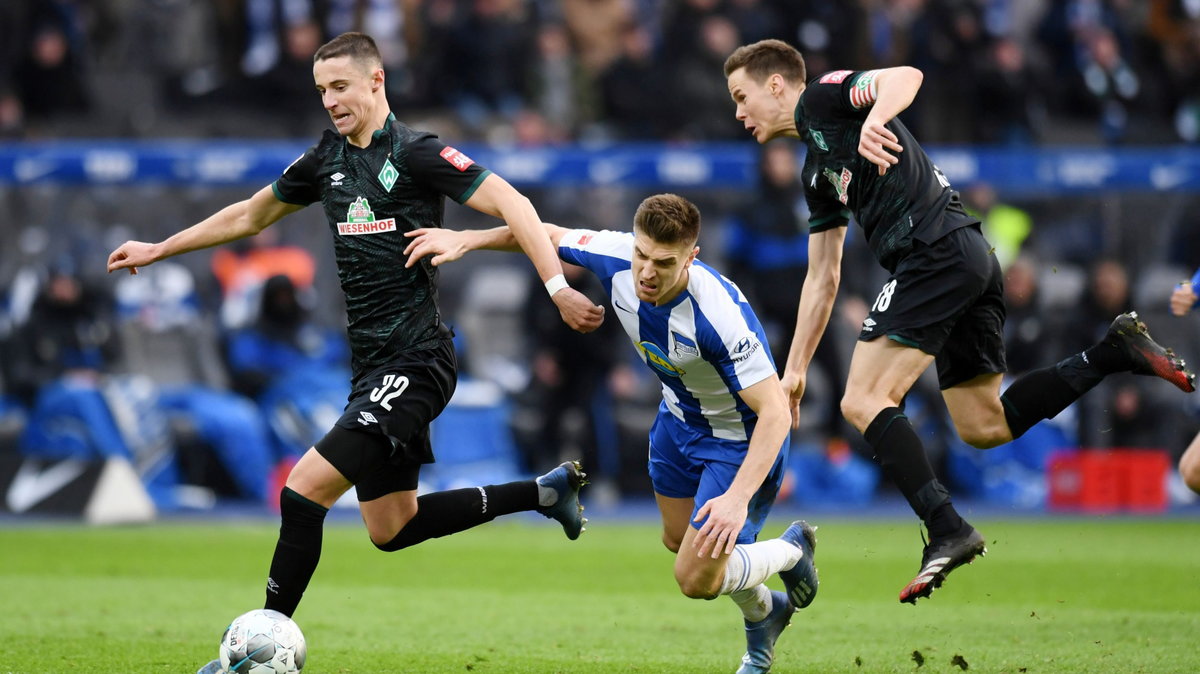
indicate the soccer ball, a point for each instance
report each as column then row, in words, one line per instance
column 263, row 642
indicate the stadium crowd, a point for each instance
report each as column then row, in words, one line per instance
column 998, row 71
column 197, row 356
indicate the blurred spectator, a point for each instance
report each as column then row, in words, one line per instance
column 50, row 72
column 1005, row 226
column 389, row 24
column 287, row 82
column 1014, row 111
column 767, row 251
column 630, row 89
column 242, row 267
column 569, row 391
column 1029, row 332
column 946, row 40
column 598, row 30
column 283, row 340
column 170, row 346
column 486, row 62
column 756, row 20
column 295, row 369
column 683, row 29
column 1111, row 84
column 1110, row 415
column 767, row 243
column 559, row 88
column 700, row 88
column 70, row 330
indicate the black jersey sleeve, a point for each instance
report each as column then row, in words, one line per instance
column 840, row 94
column 825, row 213
column 298, row 184
column 443, row 168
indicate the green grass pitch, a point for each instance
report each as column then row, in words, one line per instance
column 1081, row 594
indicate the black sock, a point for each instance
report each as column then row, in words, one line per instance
column 296, row 553
column 448, row 512
column 900, row 453
column 1106, row 358
column 1042, row 394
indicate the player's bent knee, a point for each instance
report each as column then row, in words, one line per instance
column 1190, row 471
column 671, row 542
column 859, row 411
column 694, row 588
column 985, row 438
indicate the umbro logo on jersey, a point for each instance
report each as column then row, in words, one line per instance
column 366, row 418
column 336, row 179
column 868, row 325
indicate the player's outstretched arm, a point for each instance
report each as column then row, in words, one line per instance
column 235, row 221
column 447, row 245
column 727, row 513
column 496, row 197
column 812, row 316
column 895, row 89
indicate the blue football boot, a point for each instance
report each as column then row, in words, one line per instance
column 800, row 581
column 566, row 481
column 213, row 667
column 762, row 635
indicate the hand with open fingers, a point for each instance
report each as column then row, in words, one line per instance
column 577, row 310
column 131, row 255
column 445, row 245
column 726, row 516
column 874, row 141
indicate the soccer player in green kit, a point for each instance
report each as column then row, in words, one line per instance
column 943, row 302
column 376, row 180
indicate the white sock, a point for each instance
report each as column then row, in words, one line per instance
column 755, row 602
column 752, row 564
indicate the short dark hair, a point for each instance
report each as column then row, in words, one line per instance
column 765, row 58
column 668, row 218
column 360, row 47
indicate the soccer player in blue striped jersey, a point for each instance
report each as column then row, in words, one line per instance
column 719, row 444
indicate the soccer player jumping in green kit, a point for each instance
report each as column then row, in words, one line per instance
column 377, row 179
column 943, row 302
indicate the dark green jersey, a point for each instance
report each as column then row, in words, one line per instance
column 913, row 200
column 372, row 196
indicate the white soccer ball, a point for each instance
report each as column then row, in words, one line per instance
column 263, row 642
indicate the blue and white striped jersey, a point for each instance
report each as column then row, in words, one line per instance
column 705, row 345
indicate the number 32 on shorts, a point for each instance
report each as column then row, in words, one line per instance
column 392, row 386
column 883, row 301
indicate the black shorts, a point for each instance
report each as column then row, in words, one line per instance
column 946, row 299
column 382, row 438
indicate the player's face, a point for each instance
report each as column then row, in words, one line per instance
column 760, row 105
column 347, row 90
column 660, row 269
